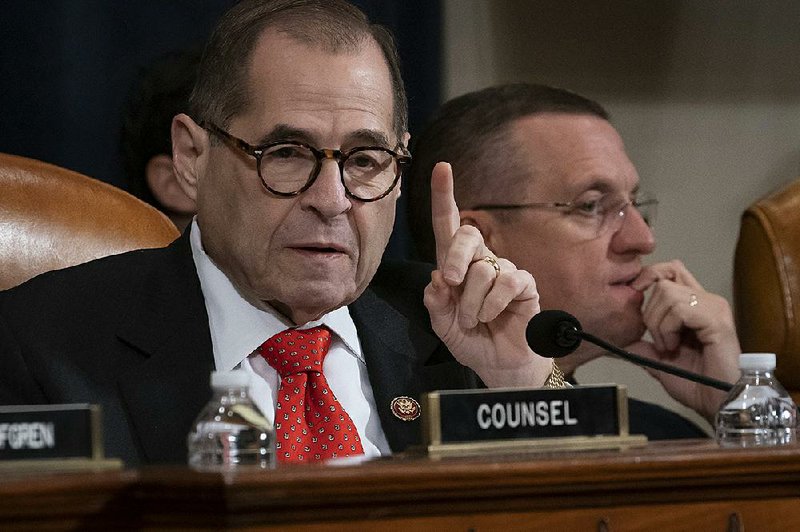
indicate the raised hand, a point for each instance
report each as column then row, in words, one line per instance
column 480, row 305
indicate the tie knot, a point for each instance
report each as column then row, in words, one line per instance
column 293, row 351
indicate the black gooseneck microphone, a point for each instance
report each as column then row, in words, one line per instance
column 555, row 333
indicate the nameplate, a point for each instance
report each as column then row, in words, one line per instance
column 592, row 416
column 31, row 432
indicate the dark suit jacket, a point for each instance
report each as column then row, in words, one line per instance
column 130, row 332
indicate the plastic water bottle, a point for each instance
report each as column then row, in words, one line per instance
column 758, row 410
column 230, row 431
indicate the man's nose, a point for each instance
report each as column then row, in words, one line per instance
column 634, row 236
column 327, row 194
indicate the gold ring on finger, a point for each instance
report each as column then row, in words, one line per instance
column 491, row 260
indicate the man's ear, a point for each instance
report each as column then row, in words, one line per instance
column 163, row 183
column 190, row 147
column 483, row 222
column 406, row 139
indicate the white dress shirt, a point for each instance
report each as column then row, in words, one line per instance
column 238, row 328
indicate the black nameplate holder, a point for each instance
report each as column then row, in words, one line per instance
column 527, row 419
column 64, row 436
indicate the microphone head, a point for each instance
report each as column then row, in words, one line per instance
column 553, row 333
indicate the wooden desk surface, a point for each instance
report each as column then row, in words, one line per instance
column 687, row 485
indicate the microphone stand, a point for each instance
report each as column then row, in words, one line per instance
column 636, row 359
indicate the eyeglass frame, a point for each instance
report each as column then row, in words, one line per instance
column 257, row 152
column 636, row 204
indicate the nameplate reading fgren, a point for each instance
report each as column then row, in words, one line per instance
column 32, row 432
column 475, row 421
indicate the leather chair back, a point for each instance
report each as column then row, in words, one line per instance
column 51, row 218
column 766, row 284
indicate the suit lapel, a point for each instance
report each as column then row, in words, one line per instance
column 168, row 324
column 398, row 353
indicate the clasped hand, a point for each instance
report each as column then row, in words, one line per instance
column 480, row 307
column 691, row 328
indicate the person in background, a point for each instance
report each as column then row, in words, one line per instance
column 293, row 151
column 161, row 93
column 544, row 177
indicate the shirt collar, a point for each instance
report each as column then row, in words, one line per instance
column 238, row 328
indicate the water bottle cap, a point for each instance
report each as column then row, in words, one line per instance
column 764, row 361
column 230, row 379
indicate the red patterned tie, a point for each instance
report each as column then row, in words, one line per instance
column 310, row 424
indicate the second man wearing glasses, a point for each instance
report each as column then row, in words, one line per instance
column 545, row 178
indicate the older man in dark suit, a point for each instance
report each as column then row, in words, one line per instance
column 293, row 153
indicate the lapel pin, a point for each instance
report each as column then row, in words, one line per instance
column 405, row 408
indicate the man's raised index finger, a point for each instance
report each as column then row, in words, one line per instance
column 444, row 211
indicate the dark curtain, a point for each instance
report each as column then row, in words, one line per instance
column 67, row 67
column 416, row 25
